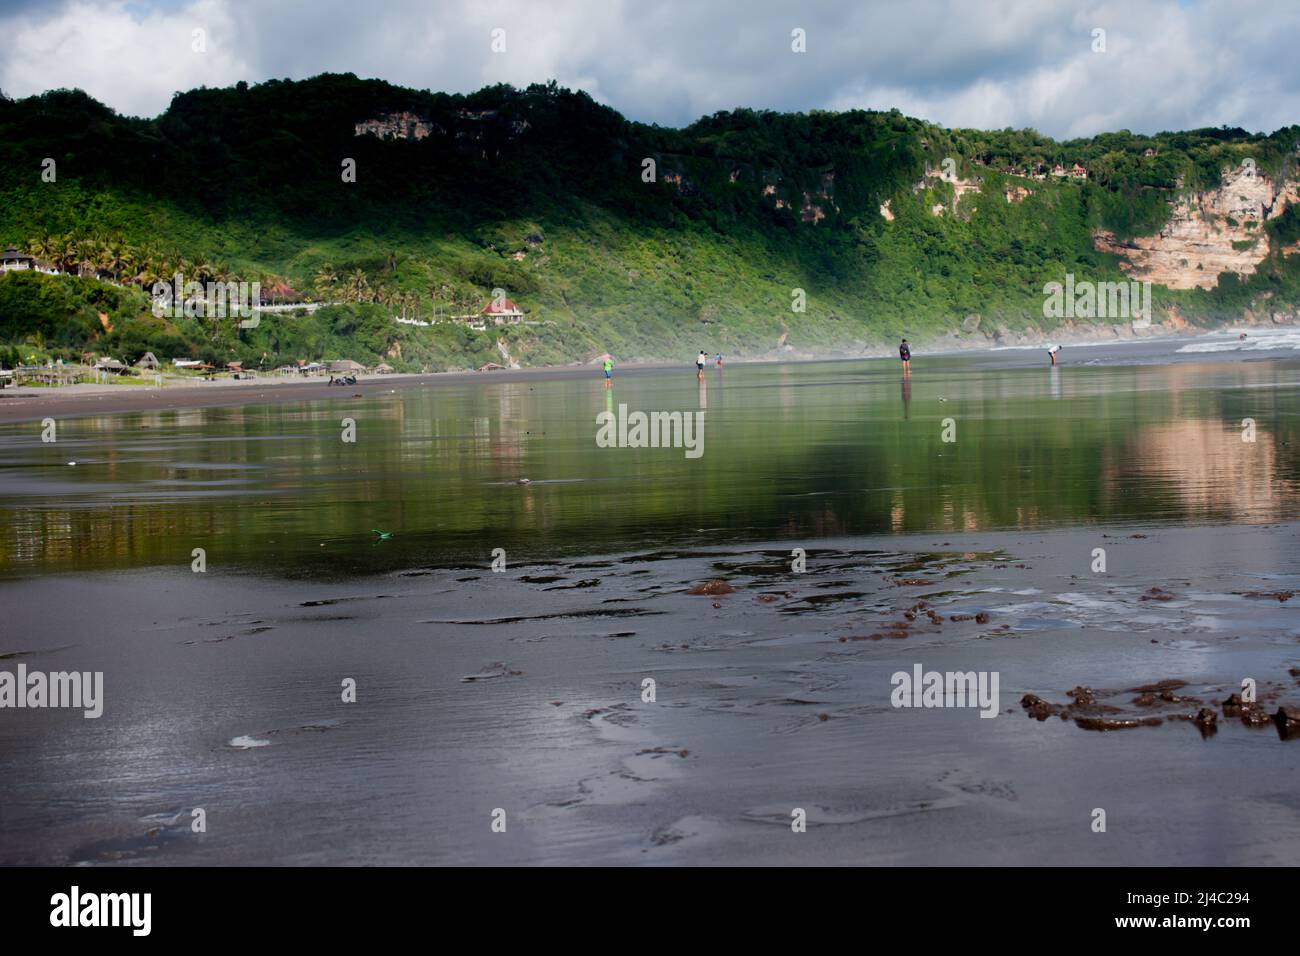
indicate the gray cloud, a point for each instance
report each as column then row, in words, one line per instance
column 997, row 63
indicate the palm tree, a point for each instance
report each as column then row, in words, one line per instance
column 121, row 259
column 43, row 248
column 358, row 285
column 103, row 259
column 324, row 283
column 87, row 252
column 146, row 274
column 65, row 252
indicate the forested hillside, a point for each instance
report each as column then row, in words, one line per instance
column 610, row 235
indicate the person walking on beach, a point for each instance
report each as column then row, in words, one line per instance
column 609, row 372
column 700, row 361
column 905, row 354
column 1052, row 352
column 719, row 362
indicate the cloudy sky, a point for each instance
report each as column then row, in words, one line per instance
column 1166, row 64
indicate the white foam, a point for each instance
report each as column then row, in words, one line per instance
column 1044, row 346
column 247, row 743
column 1230, row 340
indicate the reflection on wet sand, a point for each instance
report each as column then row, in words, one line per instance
column 1214, row 474
column 799, row 450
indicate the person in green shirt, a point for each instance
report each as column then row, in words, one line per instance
column 609, row 372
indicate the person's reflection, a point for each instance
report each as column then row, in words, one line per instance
column 609, row 400
column 907, row 396
column 704, row 393
column 1056, row 381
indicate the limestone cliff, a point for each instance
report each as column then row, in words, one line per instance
column 395, row 126
column 1220, row 230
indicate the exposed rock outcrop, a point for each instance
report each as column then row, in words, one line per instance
column 1221, row 230
column 395, row 126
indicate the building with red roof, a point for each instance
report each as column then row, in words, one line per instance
column 503, row 310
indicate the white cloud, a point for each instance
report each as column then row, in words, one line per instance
column 1009, row 63
column 132, row 62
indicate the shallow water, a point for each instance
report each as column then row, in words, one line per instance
column 789, row 451
column 524, row 690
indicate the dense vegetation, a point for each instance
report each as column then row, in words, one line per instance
column 541, row 192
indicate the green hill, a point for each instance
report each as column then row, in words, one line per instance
column 543, row 193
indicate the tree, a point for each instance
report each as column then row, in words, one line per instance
column 359, row 286
column 324, row 282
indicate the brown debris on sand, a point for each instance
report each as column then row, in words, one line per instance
column 1251, row 713
column 1038, row 708
column 716, row 586
column 1254, row 715
column 1281, row 596
column 1157, row 687
column 1089, row 711
column 1082, row 695
column 1288, row 722
column 1165, row 696
column 1156, row 594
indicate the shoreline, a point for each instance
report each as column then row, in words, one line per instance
column 75, row 401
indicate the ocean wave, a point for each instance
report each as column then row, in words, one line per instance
column 1262, row 341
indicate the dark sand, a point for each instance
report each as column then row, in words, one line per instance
column 522, row 691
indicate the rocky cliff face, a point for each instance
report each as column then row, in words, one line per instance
column 1221, row 230
column 395, row 126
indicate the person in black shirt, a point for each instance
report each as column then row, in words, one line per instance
column 905, row 353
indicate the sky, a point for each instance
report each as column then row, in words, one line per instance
column 1156, row 64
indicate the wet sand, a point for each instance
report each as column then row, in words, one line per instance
column 522, row 691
